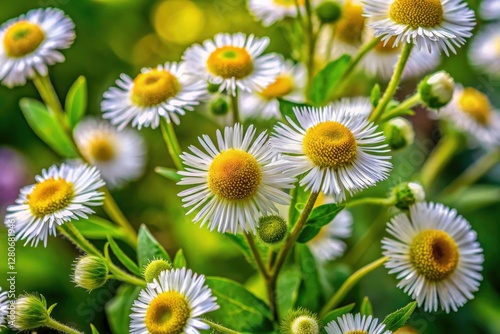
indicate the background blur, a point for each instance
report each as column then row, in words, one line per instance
column 115, row 36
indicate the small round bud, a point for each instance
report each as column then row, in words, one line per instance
column 154, row 268
column 31, row 312
column 329, row 12
column 272, row 229
column 399, row 133
column 213, row 88
column 219, row 106
column 436, row 90
column 91, row 272
column 300, row 321
column 408, row 193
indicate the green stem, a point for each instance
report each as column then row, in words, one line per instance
column 118, row 217
column 438, row 159
column 61, row 327
column 235, row 107
column 311, row 38
column 72, row 233
column 372, row 201
column 255, row 252
column 329, row 44
column 118, row 273
column 405, row 105
column 49, row 96
column 393, row 84
column 349, row 284
column 220, row 328
column 167, row 130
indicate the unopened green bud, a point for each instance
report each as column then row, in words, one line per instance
column 272, row 229
column 329, row 12
column 399, row 133
column 408, row 193
column 31, row 312
column 300, row 321
column 436, row 90
column 219, row 105
column 91, row 272
column 154, row 268
column 213, row 88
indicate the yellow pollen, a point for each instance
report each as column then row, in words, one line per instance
column 22, row 38
column 230, row 62
column 417, row 13
column 101, row 149
column 476, row 105
column 281, row 87
column 50, row 196
column 434, row 254
column 330, row 144
column 168, row 313
column 350, row 27
column 234, row 175
column 154, row 87
column 387, row 48
column 289, row 3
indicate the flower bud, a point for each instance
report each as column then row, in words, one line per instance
column 436, row 90
column 329, row 12
column 154, row 268
column 300, row 321
column 213, row 88
column 408, row 193
column 91, row 272
column 31, row 312
column 272, row 229
column 219, row 105
column 399, row 133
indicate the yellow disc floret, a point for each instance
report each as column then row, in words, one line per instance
column 101, row 149
column 154, row 87
column 357, row 332
column 281, row 87
column 350, row 27
column 417, row 13
column 230, row 62
column 50, row 196
column 289, row 3
column 168, row 313
column 330, row 144
column 234, row 175
column 476, row 105
column 22, row 38
column 434, row 254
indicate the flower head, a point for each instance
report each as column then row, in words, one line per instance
column 154, row 268
column 31, row 42
column 271, row 11
column 436, row 90
column 356, row 324
column 490, row 9
column 272, row 229
column 436, row 256
column 31, row 312
column 300, row 321
column 359, row 105
column 484, row 52
column 399, row 133
column 91, row 272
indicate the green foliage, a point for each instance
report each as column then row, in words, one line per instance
column 76, row 101
column 95, row 227
column 319, row 217
column 287, row 109
column 149, row 248
column 180, row 259
column 168, row 173
column 299, row 198
column 375, row 95
column 119, row 308
column 123, row 258
column 333, row 315
column 287, row 286
column 366, row 307
column 94, row 330
column 327, row 80
column 310, row 294
column 398, row 319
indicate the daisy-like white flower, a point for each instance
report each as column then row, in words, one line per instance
column 61, row 194
column 234, row 183
column 350, row 324
column 337, row 151
column 435, row 25
column 4, row 305
column 359, row 105
column 173, row 303
column 435, row 255
column 165, row 91
column 31, row 42
column 490, row 9
column 271, row 11
column 471, row 111
column 234, row 61
column 120, row 156
column 484, row 52
column 289, row 85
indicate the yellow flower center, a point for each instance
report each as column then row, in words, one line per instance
column 350, row 27
column 357, row 332
column 417, row 13
column 387, row 48
column 289, row 3
column 330, row 144
column 230, row 62
column 154, row 87
column 234, row 175
column 476, row 105
column 168, row 313
column 50, row 196
column 22, row 38
column 434, row 254
column 101, row 149
column 281, row 87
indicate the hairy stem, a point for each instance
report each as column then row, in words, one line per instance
column 220, row 328
column 61, row 327
column 170, row 138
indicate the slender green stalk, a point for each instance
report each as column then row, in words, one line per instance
column 372, row 201
column 49, row 96
column 256, row 255
column 438, row 159
column 393, row 84
column 349, row 284
column 167, row 130
column 72, row 233
column 329, row 44
column 119, row 218
column 235, row 107
column 359, row 56
column 311, row 38
column 61, row 327
column 405, row 105
column 300, row 17
column 123, row 276
column 220, row 328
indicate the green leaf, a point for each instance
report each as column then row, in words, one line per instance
column 149, row 248
column 319, row 217
column 96, row 227
column 180, row 260
column 239, row 309
column 287, row 289
column 119, row 308
column 366, row 307
column 327, row 80
column 123, row 258
column 240, row 242
column 94, row 330
column 76, row 101
column 168, row 173
column 299, row 197
column 398, row 319
column 46, row 126
column 333, row 315
column 375, row 95
column 310, row 296
column 286, row 109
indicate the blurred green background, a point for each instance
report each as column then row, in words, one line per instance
column 121, row 36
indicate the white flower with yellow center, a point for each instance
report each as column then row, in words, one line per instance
column 358, row 105
column 271, row 11
column 120, row 156
column 59, row 195
column 4, row 304
column 337, row 151
column 484, row 52
column 289, row 85
column 490, row 9
column 235, row 183
column 31, row 42
column 435, row 255
column 165, row 91
column 234, row 62
column 356, row 324
column 434, row 25
column 471, row 111
column 173, row 304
